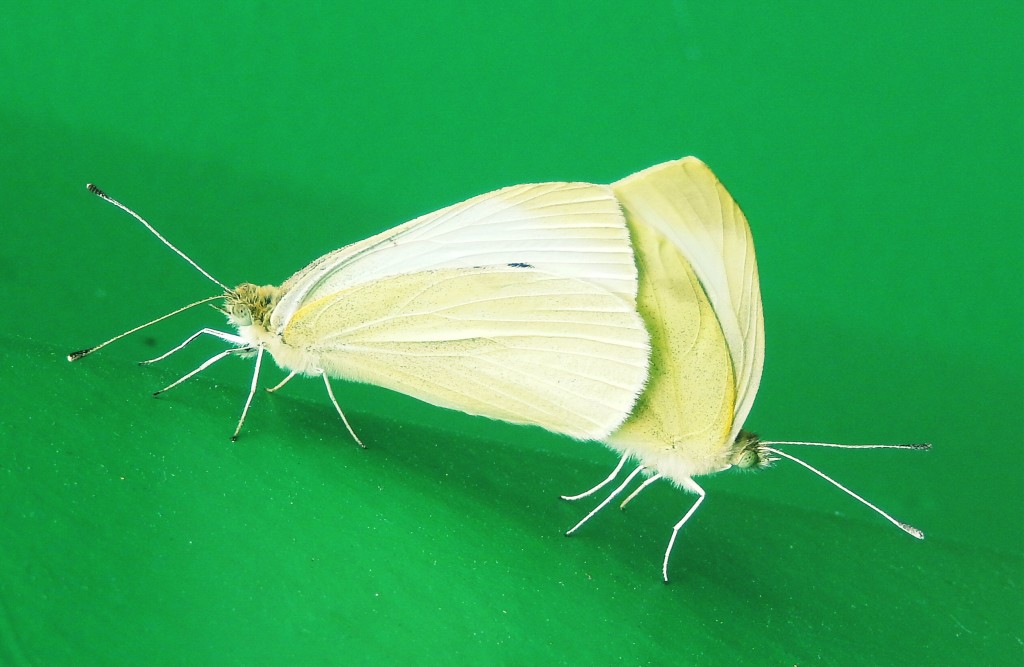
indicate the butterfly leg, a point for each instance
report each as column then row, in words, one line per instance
column 647, row 482
column 693, row 487
column 252, row 392
column 601, row 485
column 607, row 500
column 202, row 367
column 223, row 335
column 334, row 401
column 282, row 382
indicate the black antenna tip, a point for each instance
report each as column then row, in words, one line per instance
column 920, row 445
column 95, row 190
column 75, row 356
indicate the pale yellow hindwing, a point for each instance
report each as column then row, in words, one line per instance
column 686, row 204
column 683, row 418
column 509, row 343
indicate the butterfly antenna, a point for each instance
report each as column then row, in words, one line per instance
column 75, row 356
column 916, row 445
column 905, row 527
column 103, row 195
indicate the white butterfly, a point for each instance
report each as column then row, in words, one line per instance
column 523, row 305
column 700, row 297
column 517, row 305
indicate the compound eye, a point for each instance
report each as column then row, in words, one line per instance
column 748, row 458
column 240, row 315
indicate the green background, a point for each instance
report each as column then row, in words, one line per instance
column 875, row 148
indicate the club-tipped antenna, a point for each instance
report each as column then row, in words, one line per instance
column 103, row 195
column 916, row 445
column 905, row 527
column 75, row 356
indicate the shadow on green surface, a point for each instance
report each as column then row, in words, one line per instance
column 133, row 528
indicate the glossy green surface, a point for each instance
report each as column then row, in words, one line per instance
column 874, row 148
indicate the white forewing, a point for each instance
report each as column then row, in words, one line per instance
column 571, row 229
column 686, row 203
column 508, row 343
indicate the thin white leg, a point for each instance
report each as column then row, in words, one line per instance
column 607, row 500
column 647, row 482
column 601, row 485
column 692, row 486
column 202, row 367
column 282, row 382
column 334, row 401
column 252, row 392
column 223, row 335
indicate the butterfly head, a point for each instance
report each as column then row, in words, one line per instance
column 749, row 453
column 249, row 304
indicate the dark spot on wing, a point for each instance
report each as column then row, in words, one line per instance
column 521, row 265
